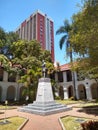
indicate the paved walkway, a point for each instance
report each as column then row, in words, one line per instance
column 49, row 122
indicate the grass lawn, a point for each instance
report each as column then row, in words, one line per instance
column 72, row 123
column 3, row 107
column 80, row 102
column 68, row 101
column 15, row 123
column 87, row 104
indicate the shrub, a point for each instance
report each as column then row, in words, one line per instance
column 71, row 98
column 90, row 125
column 57, row 98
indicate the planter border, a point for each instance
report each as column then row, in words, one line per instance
column 60, row 121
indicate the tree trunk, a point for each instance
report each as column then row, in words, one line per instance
column 74, row 86
column 73, row 79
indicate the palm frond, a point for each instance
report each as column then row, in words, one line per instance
column 62, row 41
column 67, row 26
column 61, row 30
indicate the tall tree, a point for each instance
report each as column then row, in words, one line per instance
column 22, row 49
column 25, row 59
column 2, row 35
column 65, row 39
column 84, row 40
column 10, row 38
column 2, row 38
column 65, row 29
column 30, row 55
column 6, row 39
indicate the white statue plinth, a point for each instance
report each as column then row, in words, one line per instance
column 44, row 92
column 44, row 104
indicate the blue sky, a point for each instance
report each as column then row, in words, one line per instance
column 14, row 12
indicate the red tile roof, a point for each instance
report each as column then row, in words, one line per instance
column 65, row 67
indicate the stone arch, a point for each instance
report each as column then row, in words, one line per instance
column 21, row 96
column 11, row 93
column 70, row 91
column 94, row 91
column 0, row 93
column 81, row 91
column 61, row 92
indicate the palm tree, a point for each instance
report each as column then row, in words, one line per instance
column 65, row 29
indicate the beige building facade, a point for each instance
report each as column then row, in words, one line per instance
column 9, row 88
column 85, row 89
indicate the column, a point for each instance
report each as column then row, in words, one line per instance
column 64, row 77
column 56, row 77
column 5, row 76
column 16, row 92
column 65, row 93
column 4, row 93
column 88, row 89
column 77, row 93
column 88, row 92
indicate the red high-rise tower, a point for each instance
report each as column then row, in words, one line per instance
column 40, row 27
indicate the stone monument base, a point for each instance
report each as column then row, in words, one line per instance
column 44, row 104
column 44, row 108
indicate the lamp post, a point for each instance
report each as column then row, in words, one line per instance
column 27, row 98
column 6, row 103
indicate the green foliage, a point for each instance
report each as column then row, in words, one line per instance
column 57, row 98
column 85, row 69
column 25, row 60
column 30, row 81
column 85, row 31
column 45, row 54
column 22, row 49
column 84, row 40
column 2, row 36
column 4, row 62
column 6, row 39
column 11, row 37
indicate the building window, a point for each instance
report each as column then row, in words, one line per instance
column 41, row 20
column 1, row 74
column 41, row 33
column 60, row 76
column 41, row 29
column 31, row 29
column 69, row 75
column 34, row 27
column 12, row 77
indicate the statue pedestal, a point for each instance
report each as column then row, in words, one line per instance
column 44, row 104
column 44, row 92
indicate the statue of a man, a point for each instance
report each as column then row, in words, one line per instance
column 44, row 69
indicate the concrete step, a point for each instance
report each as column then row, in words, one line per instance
column 45, row 111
